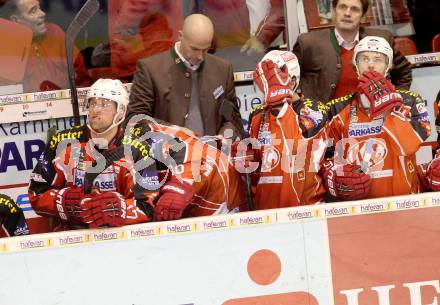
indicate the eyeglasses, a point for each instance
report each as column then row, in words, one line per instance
column 100, row 103
column 368, row 61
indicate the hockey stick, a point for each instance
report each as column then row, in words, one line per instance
column 82, row 17
column 227, row 111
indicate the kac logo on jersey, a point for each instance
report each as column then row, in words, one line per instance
column 365, row 129
column 271, row 158
column 371, row 152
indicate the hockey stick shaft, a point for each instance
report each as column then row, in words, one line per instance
column 87, row 11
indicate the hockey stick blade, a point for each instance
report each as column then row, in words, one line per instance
column 87, row 11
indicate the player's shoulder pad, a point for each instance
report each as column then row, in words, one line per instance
column 76, row 132
column 9, row 203
column 255, row 111
column 133, row 137
column 314, row 105
column 336, row 105
column 410, row 96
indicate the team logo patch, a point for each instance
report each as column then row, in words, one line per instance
column 356, row 130
column 370, row 154
column 421, row 108
column 310, row 118
column 271, row 158
column 43, row 161
column 149, row 180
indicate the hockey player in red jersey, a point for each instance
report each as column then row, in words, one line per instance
column 95, row 175
column 218, row 188
column 376, row 131
column 289, row 141
column 430, row 172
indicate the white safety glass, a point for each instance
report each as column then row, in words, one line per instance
column 100, row 103
column 371, row 60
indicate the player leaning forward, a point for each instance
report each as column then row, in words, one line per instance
column 95, row 175
column 376, row 131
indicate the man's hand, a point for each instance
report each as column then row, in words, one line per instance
column 380, row 92
column 346, row 182
column 253, row 46
column 68, row 201
column 433, row 175
column 275, row 83
column 174, row 197
column 104, row 209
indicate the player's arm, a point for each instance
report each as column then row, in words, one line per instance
column 12, row 220
column 408, row 125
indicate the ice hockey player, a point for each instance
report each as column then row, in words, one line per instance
column 97, row 175
column 376, row 131
column 288, row 135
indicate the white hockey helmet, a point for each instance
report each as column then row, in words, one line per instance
column 113, row 90
column 288, row 59
column 374, row 44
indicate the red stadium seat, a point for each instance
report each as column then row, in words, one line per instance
column 436, row 43
column 405, row 45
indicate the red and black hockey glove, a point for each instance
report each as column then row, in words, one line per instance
column 380, row 92
column 273, row 82
column 433, row 175
column 104, row 209
column 346, row 182
column 174, row 197
column 68, row 201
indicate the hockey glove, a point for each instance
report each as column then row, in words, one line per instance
column 273, row 82
column 380, row 92
column 104, row 209
column 346, row 182
column 433, row 174
column 68, row 201
column 174, row 197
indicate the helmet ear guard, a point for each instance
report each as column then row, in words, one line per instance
column 113, row 90
column 286, row 59
column 373, row 44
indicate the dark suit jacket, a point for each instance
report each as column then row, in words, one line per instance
column 162, row 89
column 319, row 57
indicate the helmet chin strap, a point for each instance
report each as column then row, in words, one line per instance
column 114, row 124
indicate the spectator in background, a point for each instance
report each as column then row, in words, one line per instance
column 269, row 27
column 140, row 28
column 47, row 65
column 186, row 86
column 326, row 55
column 233, row 21
column 426, row 21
